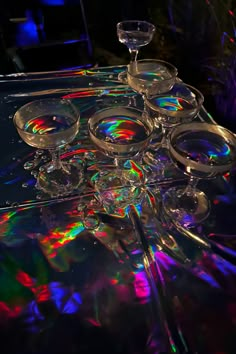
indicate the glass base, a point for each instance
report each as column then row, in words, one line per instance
column 116, row 192
column 122, row 77
column 156, row 163
column 186, row 209
column 60, row 181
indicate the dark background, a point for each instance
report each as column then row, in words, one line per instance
column 197, row 36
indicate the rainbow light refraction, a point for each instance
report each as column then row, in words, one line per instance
column 153, row 76
column 215, row 153
column 112, row 128
column 46, row 124
column 100, row 92
column 38, row 126
column 120, row 129
column 224, row 151
column 57, row 238
column 171, row 103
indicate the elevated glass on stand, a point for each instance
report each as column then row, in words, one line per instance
column 150, row 77
column 134, row 34
column 49, row 124
column 202, row 151
column 121, row 133
column 179, row 105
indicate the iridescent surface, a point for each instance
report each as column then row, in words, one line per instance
column 172, row 103
column 205, row 147
column 47, row 124
column 153, row 76
column 121, row 130
column 72, row 286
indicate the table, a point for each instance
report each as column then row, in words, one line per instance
column 74, row 279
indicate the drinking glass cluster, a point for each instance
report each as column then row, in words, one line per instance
column 163, row 132
column 200, row 150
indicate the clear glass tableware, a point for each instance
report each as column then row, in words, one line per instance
column 134, row 34
column 202, row 151
column 49, row 124
column 150, row 77
column 180, row 104
column 121, row 133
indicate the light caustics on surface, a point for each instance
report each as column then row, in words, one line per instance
column 204, row 147
column 11, row 223
column 76, row 151
column 153, row 76
column 100, row 92
column 87, row 72
column 210, row 266
column 59, row 237
column 135, row 170
column 169, row 103
column 40, row 289
column 215, row 153
column 66, row 300
column 121, row 129
column 47, row 124
column 138, row 280
column 5, row 217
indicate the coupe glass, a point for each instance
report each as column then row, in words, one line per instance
column 50, row 124
column 150, row 77
column 134, row 34
column 202, row 151
column 121, row 133
column 179, row 105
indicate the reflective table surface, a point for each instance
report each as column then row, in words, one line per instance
column 76, row 279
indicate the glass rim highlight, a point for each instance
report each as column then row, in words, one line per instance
column 173, row 69
column 151, row 25
column 116, row 111
column 56, row 100
column 198, row 95
column 201, row 127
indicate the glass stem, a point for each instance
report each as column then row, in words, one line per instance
column 118, row 163
column 133, row 55
column 165, row 132
column 145, row 109
column 56, row 161
column 132, row 101
column 192, row 184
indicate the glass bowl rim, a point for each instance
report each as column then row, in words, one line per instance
column 202, row 126
column 158, row 61
column 44, row 100
column 200, row 100
column 115, row 109
column 152, row 26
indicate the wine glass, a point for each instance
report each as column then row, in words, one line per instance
column 179, row 105
column 202, row 151
column 121, row 133
column 134, row 34
column 50, row 124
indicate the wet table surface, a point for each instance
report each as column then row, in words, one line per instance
column 77, row 279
